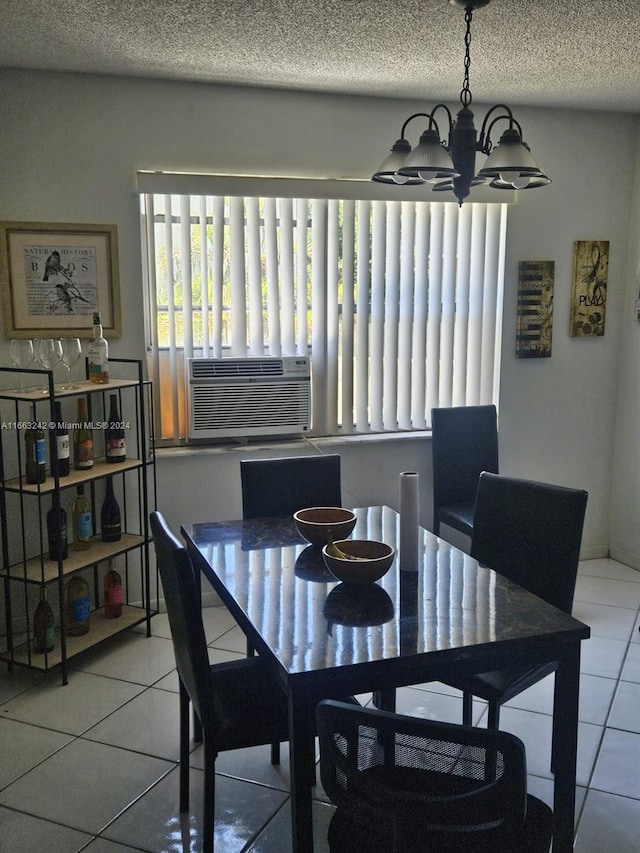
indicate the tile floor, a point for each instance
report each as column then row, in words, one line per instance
column 93, row 766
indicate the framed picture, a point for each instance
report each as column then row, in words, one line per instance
column 589, row 294
column 54, row 276
column 535, row 309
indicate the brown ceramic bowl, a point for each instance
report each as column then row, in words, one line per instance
column 318, row 523
column 374, row 561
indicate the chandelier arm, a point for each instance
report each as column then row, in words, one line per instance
column 415, row 115
column 485, row 135
column 488, row 145
column 432, row 120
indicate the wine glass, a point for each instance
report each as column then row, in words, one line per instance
column 21, row 351
column 71, row 352
column 48, row 354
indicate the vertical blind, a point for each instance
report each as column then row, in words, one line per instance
column 397, row 303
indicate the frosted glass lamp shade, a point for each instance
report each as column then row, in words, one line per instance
column 387, row 172
column 511, row 163
column 429, row 160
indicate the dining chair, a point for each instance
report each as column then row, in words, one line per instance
column 405, row 785
column 531, row 533
column 238, row 703
column 283, row 486
column 464, row 442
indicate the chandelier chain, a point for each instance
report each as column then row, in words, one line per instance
column 465, row 94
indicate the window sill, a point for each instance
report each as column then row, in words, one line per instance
column 287, row 445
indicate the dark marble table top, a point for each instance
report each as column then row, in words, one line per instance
column 452, row 607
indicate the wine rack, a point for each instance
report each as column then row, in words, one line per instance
column 27, row 572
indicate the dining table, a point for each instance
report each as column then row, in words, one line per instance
column 326, row 639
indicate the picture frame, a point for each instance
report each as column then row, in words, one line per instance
column 589, row 290
column 534, row 323
column 54, row 276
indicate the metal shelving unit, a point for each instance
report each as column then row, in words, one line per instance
column 26, row 568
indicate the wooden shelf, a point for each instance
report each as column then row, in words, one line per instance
column 36, row 570
column 101, row 629
column 100, row 470
column 82, row 386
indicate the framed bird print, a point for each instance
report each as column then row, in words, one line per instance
column 53, row 276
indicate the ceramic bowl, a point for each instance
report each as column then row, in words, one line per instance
column 374, row 560
column 318, row 523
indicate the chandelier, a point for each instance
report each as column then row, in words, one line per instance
column 450, row 165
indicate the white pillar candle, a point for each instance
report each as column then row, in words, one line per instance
column 409, row 511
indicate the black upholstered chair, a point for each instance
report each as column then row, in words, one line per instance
column 283, row 486
column 238, row 703
column 531, row 533
column 464, row 442
column 408, row 785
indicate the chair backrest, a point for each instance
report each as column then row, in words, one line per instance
column 423, row 775
column 283, row 486
column 185, row 617
column 531, row 533
column 464, row 442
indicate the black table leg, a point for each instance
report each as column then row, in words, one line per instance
column 302, row 768
column 564, row 746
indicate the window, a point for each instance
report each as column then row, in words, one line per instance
column 397, row 303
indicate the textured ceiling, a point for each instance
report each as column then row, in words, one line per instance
column 574, row 53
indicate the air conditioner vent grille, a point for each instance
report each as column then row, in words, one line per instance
column 246, row 408
column 230, row 367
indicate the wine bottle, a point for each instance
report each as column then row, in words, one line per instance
column 98, row 354
column 77, row 606
column 82, row 439
column 60, row 439
column 81, row 521
column 112, row 593
column 115, row 443
column 110, row 522
column 44, row 634
column 57, row 530
column 36, row 468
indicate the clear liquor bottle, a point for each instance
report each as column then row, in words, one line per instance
column 98, row 354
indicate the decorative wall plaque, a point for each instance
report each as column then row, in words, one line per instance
column 535, row 309
column 589, row 294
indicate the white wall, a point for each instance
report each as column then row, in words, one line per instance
column 69, row 149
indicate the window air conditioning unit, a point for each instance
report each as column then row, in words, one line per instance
column 245, row 397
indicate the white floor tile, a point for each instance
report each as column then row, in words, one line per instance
column 596, row 695
column 608, row 591
column 608, row 823
column 607, row 568
column 602, row 656
column 631, row 668
column 84, row 785
column 23, row 747
column 618, row 767
column 23, row 833
column 605, row 620
column 624, row 711
column 535, row 732
column 252, row 765
column 233, row 640
column 16, row 682
column 276, row 836
column 434, row 706
column 130, row 657
column 72, row 708
column 154, row 823
column 150, row 723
